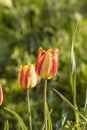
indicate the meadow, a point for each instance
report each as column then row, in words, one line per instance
column 57, row 98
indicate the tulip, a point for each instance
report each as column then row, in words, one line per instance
column 27, row 76
column 1, row 95
column 47, row 63
column 46, row 67
column 28, row 79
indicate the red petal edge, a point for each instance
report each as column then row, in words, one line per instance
column 1, row 95
column 54, row 67
column 27, row 75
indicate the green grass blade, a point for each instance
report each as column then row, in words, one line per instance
column 49, row 120
column 73, row 63
column 43, row 127
column 21, row 122
column 6, row 125
column 61, row 122
column 85, row 107
column 73, row 74
column 63, row 119
column 71, row 105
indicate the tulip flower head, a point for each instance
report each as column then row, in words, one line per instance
column 47, row 63
column 27, row 76
column 1, row 95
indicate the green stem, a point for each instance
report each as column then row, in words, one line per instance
column 73, row 76
column 29, row 113
column 85, row 107
column 45, row 115
column 74, row 99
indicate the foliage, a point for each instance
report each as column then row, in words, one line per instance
column 25, row 25
column 6, row 125
column 18, row 117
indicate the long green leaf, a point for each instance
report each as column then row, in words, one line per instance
column 43, row 127
column 6, row 125
column 49, row 120
column 73, row 75
column 73, row 63
column 85, row 107
column 71, row 105
column 60, row 123
column 21, row 122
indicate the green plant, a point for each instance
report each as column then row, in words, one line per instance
column 78, row 124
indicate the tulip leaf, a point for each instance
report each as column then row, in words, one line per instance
column 60, row 123
column 85, row 107
column 6, row 125
column 21, row 122
column 70, row 104
column 73, row 63
column 43, row 127
column 49, row 120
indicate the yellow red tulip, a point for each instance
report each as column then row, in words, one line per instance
column 47, row 63
column 27, row 76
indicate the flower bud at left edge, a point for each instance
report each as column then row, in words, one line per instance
column 1, row 95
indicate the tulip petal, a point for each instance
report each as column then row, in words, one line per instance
column 54, row 67
column 1, row 94
column 46, row 66
column 33, row 76
column 55, row 54
column 39, row 63
column 27, row 75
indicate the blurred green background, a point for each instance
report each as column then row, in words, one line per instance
column 25, row 25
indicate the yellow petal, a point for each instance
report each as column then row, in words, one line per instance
column 33, row 76
column 25, row 68
column 46, row 66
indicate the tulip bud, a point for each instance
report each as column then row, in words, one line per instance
column 27, row 76
column 47, row 63
column 1, row 95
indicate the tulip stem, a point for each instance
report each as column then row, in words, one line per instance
column 45, row 115
column 29, row 113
